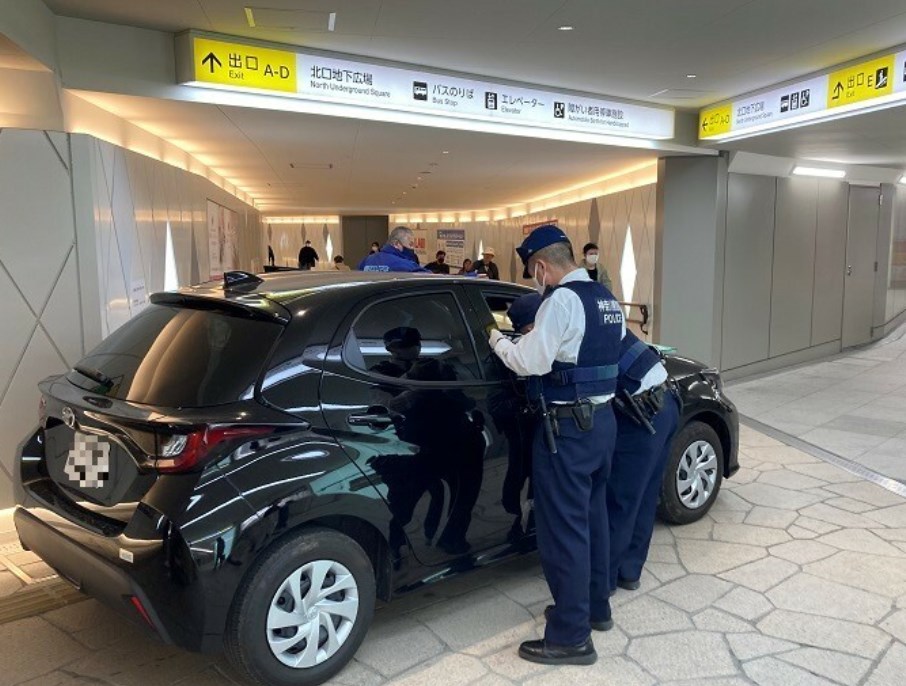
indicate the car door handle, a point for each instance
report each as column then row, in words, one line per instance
column 372, row 418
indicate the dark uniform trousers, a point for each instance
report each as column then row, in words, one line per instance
column 570, row 490
column 634, row 486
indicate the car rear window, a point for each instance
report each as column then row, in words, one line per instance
column 179, row 357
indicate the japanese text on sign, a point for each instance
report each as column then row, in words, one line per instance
column 246, row 66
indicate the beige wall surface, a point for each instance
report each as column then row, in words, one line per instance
column 606, row 220
column 85, row 222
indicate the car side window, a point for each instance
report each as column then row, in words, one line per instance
column 419, row 337
column 498, row 304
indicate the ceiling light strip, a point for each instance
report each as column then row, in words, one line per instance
column 210, row 61
column 869, row 85
column 819, row 172
column 632, row 177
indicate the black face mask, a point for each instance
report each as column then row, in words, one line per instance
column 440, row 260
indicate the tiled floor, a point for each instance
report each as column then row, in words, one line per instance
column 796, row 577
column 853, row 405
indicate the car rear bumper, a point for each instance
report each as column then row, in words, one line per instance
column 89, row 571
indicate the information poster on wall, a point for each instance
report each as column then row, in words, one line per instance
column 420, row 245
column 452, row 242
column 528, row 228
column 223, row 239
column 138, row 296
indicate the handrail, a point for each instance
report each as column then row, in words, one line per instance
column 643, row 311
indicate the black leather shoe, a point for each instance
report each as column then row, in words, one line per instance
column 605, row 625
column 548, row 654
column 627, row 585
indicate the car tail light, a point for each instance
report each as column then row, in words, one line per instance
column 137, row 604
column 183, row 452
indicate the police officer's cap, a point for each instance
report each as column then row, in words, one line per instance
column 523, row 310
column 540, row 238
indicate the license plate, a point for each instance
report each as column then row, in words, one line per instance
column 88, row 461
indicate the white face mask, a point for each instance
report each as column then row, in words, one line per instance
column 592, row 258
column 540, row 283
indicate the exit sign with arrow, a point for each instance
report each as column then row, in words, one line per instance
column 246, row 66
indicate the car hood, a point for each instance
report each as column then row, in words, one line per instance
column 681, row 367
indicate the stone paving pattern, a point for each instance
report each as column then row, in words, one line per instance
column 852, row 405
column 796, row 577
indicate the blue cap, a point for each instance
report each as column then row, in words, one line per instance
column 537, row 240
column 523, row 310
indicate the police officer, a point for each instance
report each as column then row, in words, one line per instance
column 647, row 416
column 395, row 256
column 571, row 358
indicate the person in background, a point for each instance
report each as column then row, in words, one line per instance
column 375, row 247
column 339, row 264
column 486, row 265
column 270, row 256
column 590, row 257
column 393, row 256
column 439, row 266
column 308, row 256
column 467, row 268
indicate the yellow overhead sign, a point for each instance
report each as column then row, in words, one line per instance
column 245, row 66
column 715, row 121
column 860, row 82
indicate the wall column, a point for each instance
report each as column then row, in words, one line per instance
column 689, row 255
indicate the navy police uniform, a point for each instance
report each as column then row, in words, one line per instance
column 639, row 460
column 570, row 481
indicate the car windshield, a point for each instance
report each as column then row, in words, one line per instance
column 178, row 357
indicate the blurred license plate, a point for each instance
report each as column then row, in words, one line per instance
column 88, row 461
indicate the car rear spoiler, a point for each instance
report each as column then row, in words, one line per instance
column 251, row 306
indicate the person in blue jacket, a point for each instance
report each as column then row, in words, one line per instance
column 395, row 256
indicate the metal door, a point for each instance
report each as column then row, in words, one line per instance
column 861, row 253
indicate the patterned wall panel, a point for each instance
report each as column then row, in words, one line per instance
column 39, row 307
column 133, row 198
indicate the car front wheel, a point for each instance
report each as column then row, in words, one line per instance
column 303, row 611
column 693, row 474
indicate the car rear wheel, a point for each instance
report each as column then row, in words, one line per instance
column 693, row 474
column 303, row 611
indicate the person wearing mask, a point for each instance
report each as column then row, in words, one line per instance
column 596, row 272
column 570, row 357
column 339, row 264
column 439, row 266
column 486, row 265
column 375, row 247
column 467, row 269
column 308, row 256
column 393, row 256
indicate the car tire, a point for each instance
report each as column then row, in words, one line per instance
column 693, row 475
column 278, row 609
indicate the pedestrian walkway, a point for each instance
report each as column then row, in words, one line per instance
column 797, row 576
column 853, row 405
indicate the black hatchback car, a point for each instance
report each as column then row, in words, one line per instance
column 249, row 466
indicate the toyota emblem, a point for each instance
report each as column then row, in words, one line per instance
column 69, row 417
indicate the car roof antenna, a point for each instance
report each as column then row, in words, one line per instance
column 240, row 281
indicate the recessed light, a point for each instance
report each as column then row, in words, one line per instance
column 404, row 192
column 445, row 152
column 419, row 178
column 820, row 172
column 691, row 76
column 903, row 180
column 565, row 27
